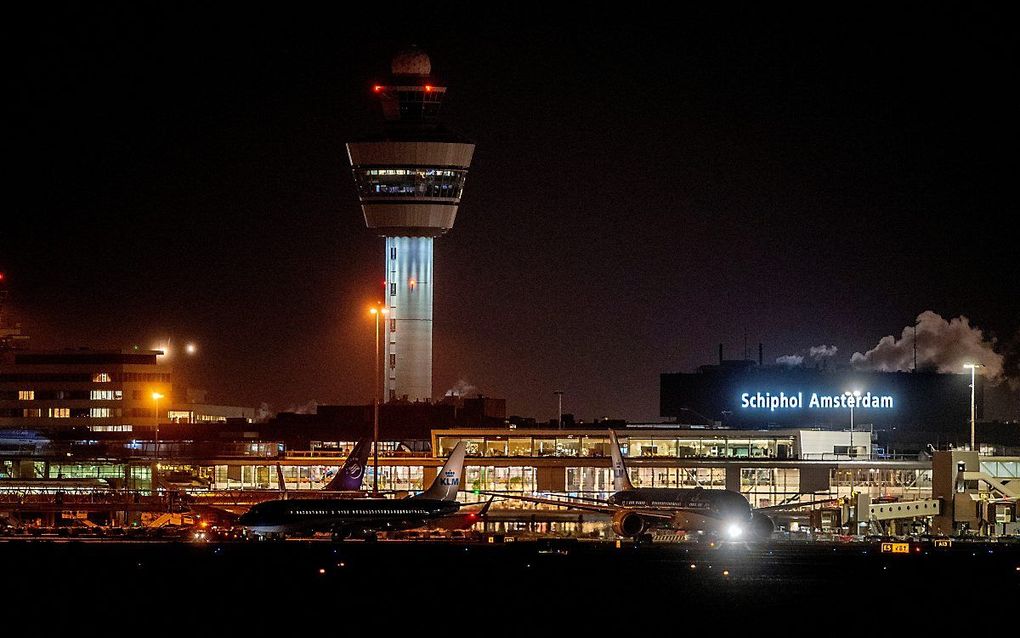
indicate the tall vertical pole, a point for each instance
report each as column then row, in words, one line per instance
column 155, row 451
column 375, row 411
column 973, row 412
column 852, row 469
column 559, row 409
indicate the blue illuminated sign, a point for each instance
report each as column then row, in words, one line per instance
column 815, row 401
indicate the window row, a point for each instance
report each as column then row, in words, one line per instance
column 77, row 395
column 413, row 182
column 62, row 413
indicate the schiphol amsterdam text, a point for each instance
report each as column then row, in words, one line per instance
column 783, row 401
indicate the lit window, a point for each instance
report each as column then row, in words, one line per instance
column 60, row 413
column 100, row 413
column 26, row 395
column 393, row 325
column 101, row 377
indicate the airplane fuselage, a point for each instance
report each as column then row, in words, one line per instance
column 691, row 509
column 344, row 516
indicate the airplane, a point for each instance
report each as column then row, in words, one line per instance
column 344, row 517
column 636, row 511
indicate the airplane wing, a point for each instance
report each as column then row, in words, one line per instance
column 792, row 506
column 586, row 506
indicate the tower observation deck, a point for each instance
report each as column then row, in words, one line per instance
column 410, row 177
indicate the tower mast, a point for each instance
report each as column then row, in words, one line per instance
column 410, row 177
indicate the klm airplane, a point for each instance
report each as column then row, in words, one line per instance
column 343, row 517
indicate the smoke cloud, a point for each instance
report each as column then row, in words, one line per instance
column 311, row 407
column 822, row 352
column 816, row 354
column 941, row 345
column 462, row 388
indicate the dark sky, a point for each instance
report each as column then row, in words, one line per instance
column 644, row 188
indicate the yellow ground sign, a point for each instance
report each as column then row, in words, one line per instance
column 895, row 548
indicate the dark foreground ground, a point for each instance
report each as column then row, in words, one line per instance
column 493, row 589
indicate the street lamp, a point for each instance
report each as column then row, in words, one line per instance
column 156, row 396
column 377, row 312
column 973, row 412
column 852, row 400
column 559, row 409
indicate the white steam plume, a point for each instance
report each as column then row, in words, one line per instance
column 941, row 345
column 462, row 388
column 816, row 353
column 822, row 352
column 311, row 407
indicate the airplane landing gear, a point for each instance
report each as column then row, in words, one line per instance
column 339, row 535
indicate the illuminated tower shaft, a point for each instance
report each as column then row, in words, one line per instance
column 410, row 178
column 409, row 326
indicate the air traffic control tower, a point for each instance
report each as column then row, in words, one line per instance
column 410, row 177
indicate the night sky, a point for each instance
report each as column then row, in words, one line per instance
column 644, row 188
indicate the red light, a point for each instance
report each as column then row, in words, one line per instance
column 1, row 276
column 428, row 88
column 377, row 88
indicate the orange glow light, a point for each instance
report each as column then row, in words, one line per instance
column 428, row 88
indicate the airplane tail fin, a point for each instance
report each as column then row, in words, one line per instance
column 447, row 482
column 280, row 482
column 349, row 477
column 621, row 481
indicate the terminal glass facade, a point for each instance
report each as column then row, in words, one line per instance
column 767, row 486
column 649, row 445
column 501, row 479
column 915, row 483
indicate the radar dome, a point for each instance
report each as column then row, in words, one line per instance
column 411, row 61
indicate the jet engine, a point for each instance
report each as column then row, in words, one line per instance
column 761, row 525
column 629, row 524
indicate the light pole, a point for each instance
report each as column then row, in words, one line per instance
column 156, row 396
column 375, row 405
column 852, row 400
column 973, row 412
column 559, row 409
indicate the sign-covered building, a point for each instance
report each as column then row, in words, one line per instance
column 742, row 394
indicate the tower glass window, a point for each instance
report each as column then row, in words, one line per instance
column 439, row 183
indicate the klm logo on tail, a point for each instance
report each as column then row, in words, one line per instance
column 449, row 479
